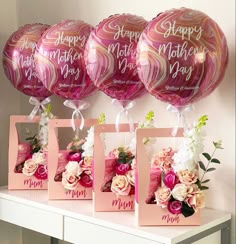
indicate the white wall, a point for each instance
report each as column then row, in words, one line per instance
column 9, row 234
column 220, row 105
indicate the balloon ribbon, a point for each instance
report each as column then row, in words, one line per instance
column 125, row 106
column 77, row 106
column 180, row 115
column 37, row 106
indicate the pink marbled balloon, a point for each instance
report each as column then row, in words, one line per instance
column 18, row 60
column 59, row 59
column 110, row 56
column 181, row 56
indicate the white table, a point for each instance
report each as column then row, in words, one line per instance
column 74, row 221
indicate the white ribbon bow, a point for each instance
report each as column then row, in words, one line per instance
column 180, row 115
column 37, row 105
column 77, row 106
column 125, row 106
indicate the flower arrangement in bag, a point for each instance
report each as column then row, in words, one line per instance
column 120, row 179
column 78, row 168
column 120, row 169
column 179, row 186
column 32, row 155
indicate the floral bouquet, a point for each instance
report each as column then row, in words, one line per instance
column 75, row 168
column 179, row 187
column 32, row 155
column 170, row 183
column 119, row 175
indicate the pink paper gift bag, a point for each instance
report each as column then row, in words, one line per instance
column 18, row 154
column 148, row 180
column 103, row 170
column 58, row 159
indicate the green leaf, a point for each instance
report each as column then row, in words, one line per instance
column 205, row 181
column 207, row 156
column 204, row 188
column 202, row 166
column 29, row 138
column 186, row 210
column 198, row 183
column 215, row 160
column 211, row 169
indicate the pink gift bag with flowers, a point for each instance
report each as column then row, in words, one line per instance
column 113, row 170
column 167, row 192
column 27, row 158
column 70, row 169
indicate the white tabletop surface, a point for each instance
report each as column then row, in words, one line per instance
column 122, row 221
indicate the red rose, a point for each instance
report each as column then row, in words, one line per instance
column 85, row 180
column 74, row 157
column 122, row 169
column 170, row 179
column 174, row 207
column 41, row 173
column 132, row 190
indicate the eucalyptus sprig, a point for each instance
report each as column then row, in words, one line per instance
column 124, row 157
column 206, row 167
column 34, row 143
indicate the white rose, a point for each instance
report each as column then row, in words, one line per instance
column 74, row 168
column 39, row 158
column 180, row 192
column 30, row 166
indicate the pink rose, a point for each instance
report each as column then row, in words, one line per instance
column 196, row 200
column 170, row 179
column 74, row 156
column 162, row 196
column 174, row 207
column 69, row 180
column 86, row 180
column 30, row 166
column 187, row 177
column 163, row 159
column 131, row 177
column 120, row 185
column 41, row 173
column 122, row 169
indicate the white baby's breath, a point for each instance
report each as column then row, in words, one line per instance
column 192, row 146
column 89, row 143
column 43, row 129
